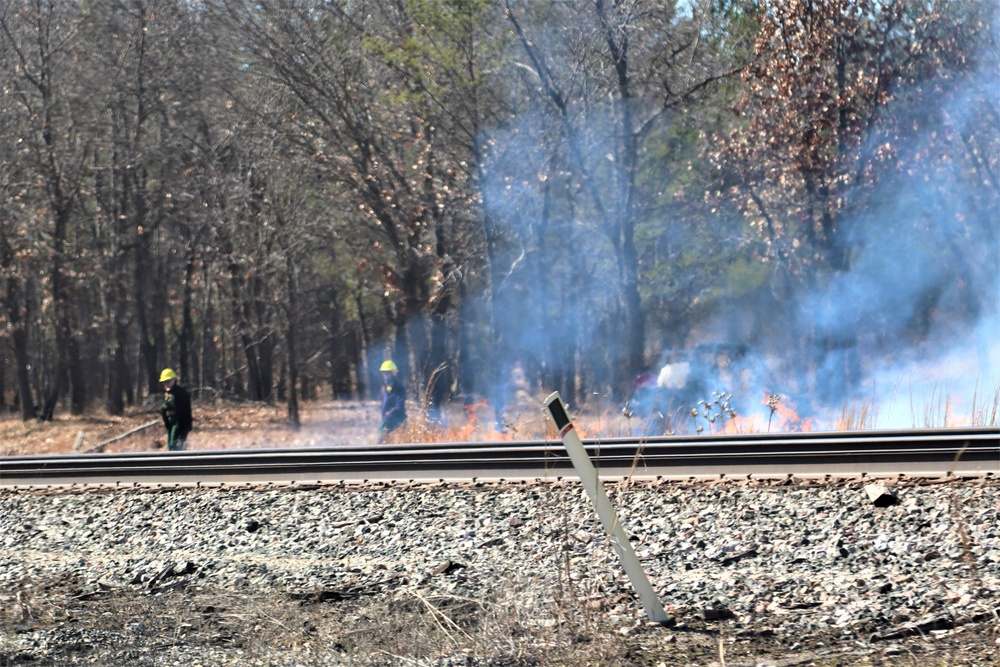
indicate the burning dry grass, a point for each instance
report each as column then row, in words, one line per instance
column 943, row 409
column 246, row 425
column 475, row 422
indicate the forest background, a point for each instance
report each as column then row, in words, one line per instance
column 274, row 197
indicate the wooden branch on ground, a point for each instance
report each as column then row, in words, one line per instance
column 100, row 446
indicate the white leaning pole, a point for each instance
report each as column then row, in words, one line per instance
column 609, row 517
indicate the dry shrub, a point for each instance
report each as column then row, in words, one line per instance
column 33, row 602
column 512, row 628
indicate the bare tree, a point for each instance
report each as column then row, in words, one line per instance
column 648, row 63
column 376, row 148
column 15, row 267
column 51, row 89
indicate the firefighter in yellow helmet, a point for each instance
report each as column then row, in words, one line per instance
column 393, row 400
column 176, row 410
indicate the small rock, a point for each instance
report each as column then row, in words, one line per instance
column 880, row 495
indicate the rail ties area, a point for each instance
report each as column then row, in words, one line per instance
column 920, row 452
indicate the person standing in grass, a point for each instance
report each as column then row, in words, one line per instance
column 176, row 410
column 393, row 400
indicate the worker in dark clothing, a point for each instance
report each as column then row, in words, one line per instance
column 393, row 400
column 176, row 410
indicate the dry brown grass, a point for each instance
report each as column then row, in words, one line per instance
column 218, row 425
column 231, row 425
column 407, row 626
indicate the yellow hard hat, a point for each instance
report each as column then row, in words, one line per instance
column 389, row 366
column 168, row 374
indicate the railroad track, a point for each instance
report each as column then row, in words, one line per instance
column 915, row 453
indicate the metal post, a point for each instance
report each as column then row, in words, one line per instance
column 609, row 517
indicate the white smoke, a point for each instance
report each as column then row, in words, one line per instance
column 674, row 376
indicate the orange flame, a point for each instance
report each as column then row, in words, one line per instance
column 781, row 417
column 475, row 422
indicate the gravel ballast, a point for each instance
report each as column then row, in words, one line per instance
column 750, row 572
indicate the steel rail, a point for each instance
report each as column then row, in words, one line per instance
column 928, row 452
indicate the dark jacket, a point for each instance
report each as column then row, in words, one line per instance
column 176, row 409
column 393, row 405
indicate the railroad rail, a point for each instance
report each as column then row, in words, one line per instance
column 915, row 453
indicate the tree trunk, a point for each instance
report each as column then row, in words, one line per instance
column 149, row 312
column 253, row 373
column 118, row 372
column 259, row 379
column 363, row 372
column 340, row 361
column 439, row 380
column 19, row 340
column 60, row 307
column 264, row 342
column 186, row 339
column 209, row 362
column 291, row 349
column 3, row 381
column 77, row 376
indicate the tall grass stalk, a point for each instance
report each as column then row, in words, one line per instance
column 854, row 417
column 476, row 422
